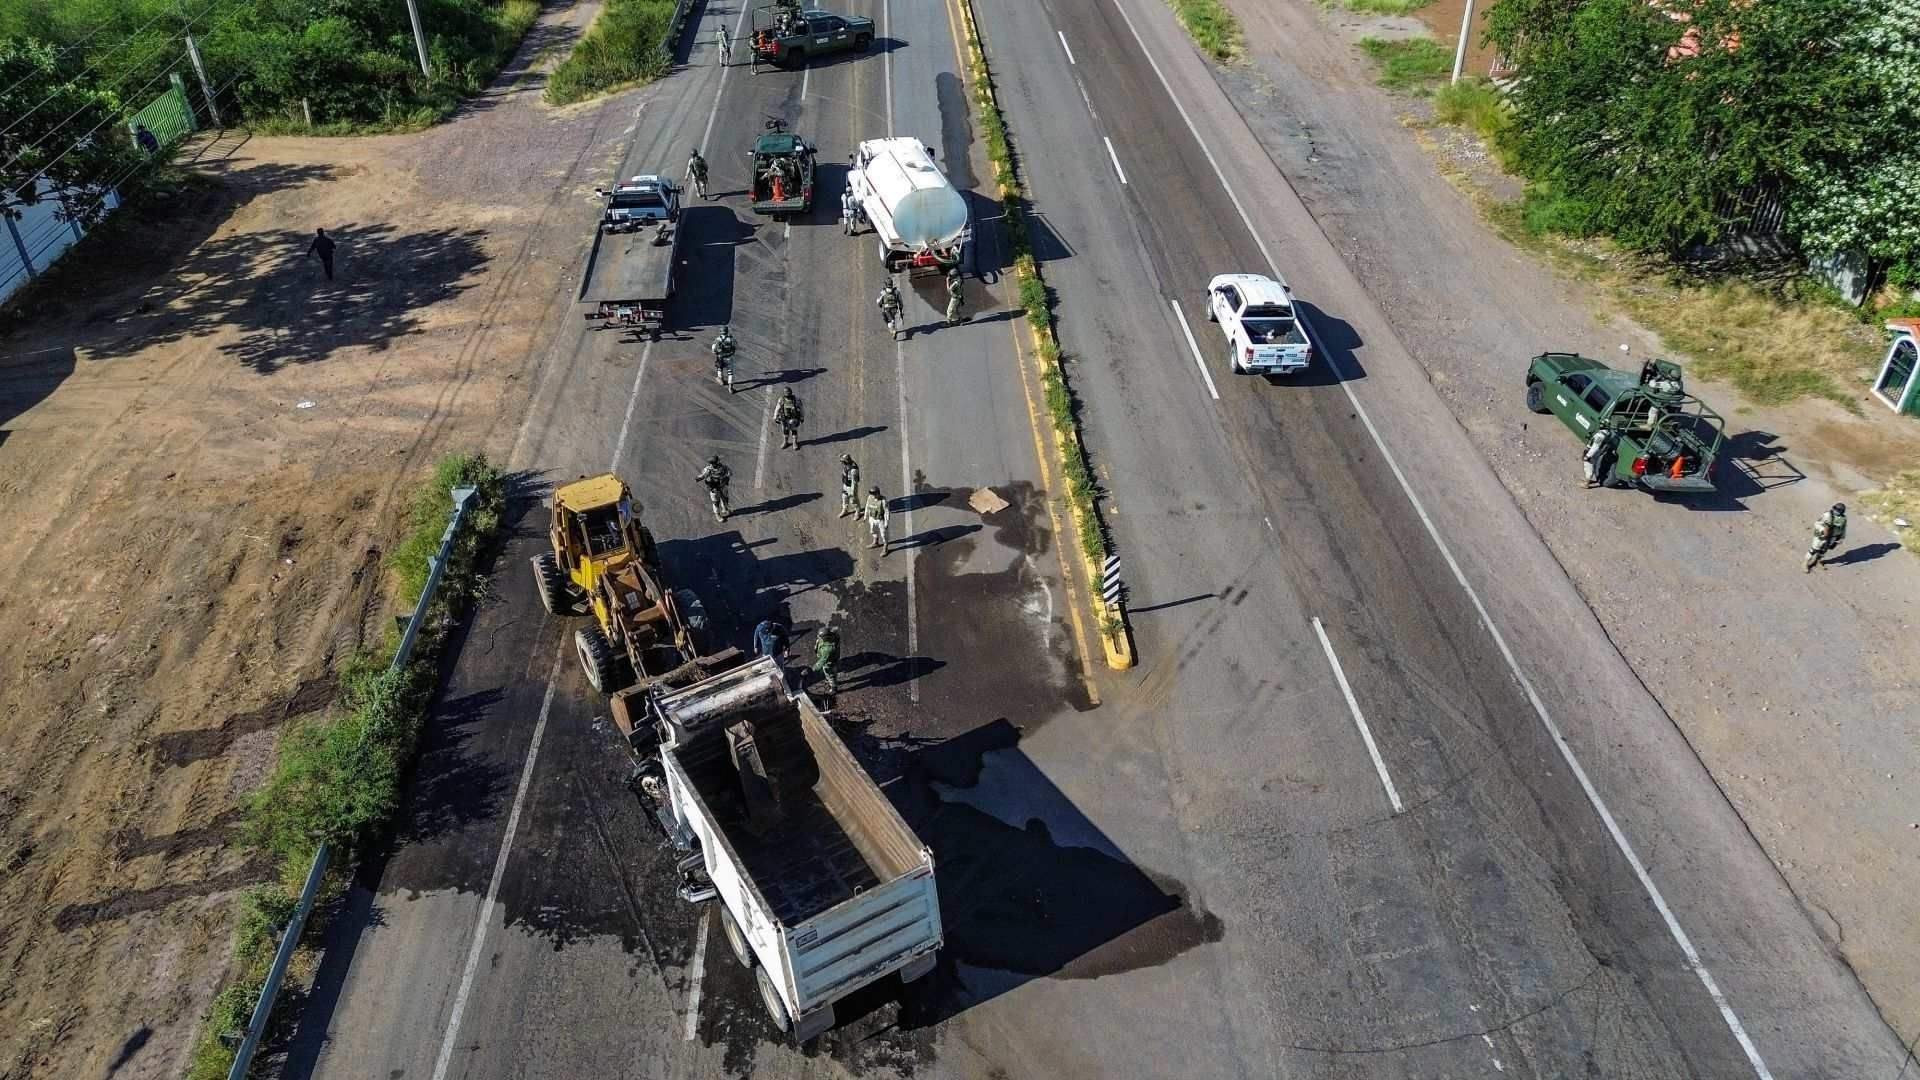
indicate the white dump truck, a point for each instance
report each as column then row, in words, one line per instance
column 920, row 220
column 1265, row 331
column 822, row 888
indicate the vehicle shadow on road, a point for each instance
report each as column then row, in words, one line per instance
column 714, row 235
column 1029, row 888
column 929, row 538
column 738, row 588
column 1334, row 341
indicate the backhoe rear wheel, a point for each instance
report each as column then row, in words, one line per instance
column 597, row 659
column 554, row 595
column 1536, row 397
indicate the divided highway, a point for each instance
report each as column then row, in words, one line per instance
column 1324, row 829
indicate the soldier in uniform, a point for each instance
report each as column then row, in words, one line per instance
column 876, row 513
column 723, row 350
column 890, row 306
column 953, row 296
column 826, row 661
column 789, row 415
column 1599, row 455
column 715, row 477
column 849, row 485
column 697, row 171
column 1827, row 534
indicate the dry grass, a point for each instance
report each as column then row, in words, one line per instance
column 1771, row 345
column 1899, row 499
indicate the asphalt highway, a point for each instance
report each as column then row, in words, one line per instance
column 1333, row 825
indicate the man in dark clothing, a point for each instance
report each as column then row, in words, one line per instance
column 148, row 141
column 770, row 639
column 322, row 246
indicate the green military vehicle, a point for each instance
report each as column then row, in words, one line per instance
column 1666, row 440
column 786, row 35
column 782, row 180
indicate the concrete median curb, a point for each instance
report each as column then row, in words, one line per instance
column 1116, row 637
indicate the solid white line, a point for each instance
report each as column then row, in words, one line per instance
column 1195, row 346
column 699, row 970
column 1064, row 45
column 1674, row 929
column 633, row 398
column 715, row 111
column 1114, row 156
column 886, row 69
column 499, row 872
column 1366, row 733
column 906, row 485
column 760, row 462
column 1204, row 149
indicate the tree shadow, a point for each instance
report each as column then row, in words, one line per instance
column 452, row 786
column 262, row 286
column 30, row 378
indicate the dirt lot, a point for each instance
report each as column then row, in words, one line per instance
column 203, row 447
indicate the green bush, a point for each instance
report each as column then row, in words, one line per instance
column 1211, row 25
column 1475, row 104
column 337, row 780
column 1547, row 211
column 622, row 46
column 1408, row 64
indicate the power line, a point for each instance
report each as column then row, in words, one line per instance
column 77, row 143
column 96, row 63
column 23, row 117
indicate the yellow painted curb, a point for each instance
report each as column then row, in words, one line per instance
column 1116, row 637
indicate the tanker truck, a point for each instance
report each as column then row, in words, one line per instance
column 920, row 220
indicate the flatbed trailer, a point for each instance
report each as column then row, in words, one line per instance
column 634, row 266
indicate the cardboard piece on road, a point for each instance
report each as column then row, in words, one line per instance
column 984, row 501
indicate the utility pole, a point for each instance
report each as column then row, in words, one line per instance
column 1459, row 52
column 206, row 88
column 419, row 39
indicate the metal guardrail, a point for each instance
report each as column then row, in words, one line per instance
column 290, row 936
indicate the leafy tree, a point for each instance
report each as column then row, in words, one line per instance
column 64, row 139
column 1863, row 193
column 1644, row 117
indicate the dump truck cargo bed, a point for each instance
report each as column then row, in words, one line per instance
column 826, row 887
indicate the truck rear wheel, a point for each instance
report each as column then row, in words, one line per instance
column 796, row 58
column 597, row 659
column 553, row 584
column 736, row 940
column 1536, row 397
column 770, row 997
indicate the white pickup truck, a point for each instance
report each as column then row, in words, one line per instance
column 822, row 888
column 1265, row 332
